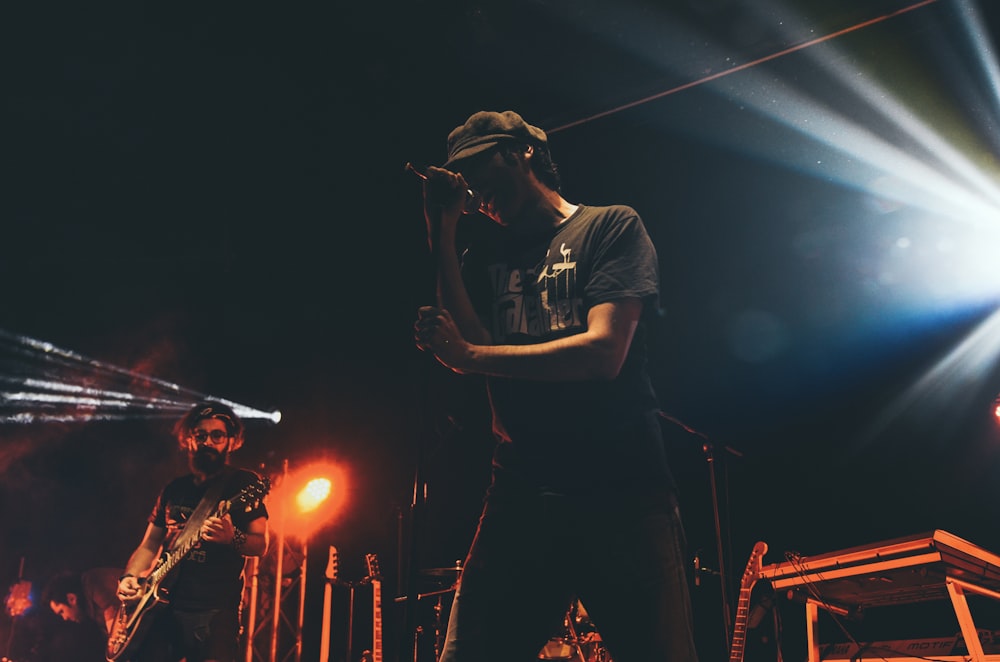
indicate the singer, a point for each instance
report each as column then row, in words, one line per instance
column 582, row 504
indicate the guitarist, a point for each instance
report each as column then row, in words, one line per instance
column 198, row 619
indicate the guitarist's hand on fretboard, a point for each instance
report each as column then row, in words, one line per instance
column 218, row 530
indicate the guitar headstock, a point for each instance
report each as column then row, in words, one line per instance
column 251, row 496
column 753, row 568
column 371, row 560
column 332, row 564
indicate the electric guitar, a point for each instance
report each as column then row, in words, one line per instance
column 131, row 623
column 332, row 564
column 375, row 577
column 750, row 576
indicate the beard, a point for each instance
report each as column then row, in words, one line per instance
column 207, row 461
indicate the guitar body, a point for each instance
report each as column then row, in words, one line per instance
column 132, row 622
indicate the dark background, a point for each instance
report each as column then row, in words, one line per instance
column 215, row 197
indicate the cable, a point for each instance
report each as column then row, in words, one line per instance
column 744, row 66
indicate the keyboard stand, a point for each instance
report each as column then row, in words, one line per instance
column 930, row 566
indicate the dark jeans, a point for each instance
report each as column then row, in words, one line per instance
column 621, row 555
column 194, row 636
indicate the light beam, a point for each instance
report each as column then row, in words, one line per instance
column 43, row 383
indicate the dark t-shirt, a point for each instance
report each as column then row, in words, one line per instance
column 571, row 436
column 210, row 576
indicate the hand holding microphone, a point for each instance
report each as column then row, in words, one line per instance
column 440, row 194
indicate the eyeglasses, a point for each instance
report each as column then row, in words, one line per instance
column 202, row 435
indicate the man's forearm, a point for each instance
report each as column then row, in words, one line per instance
column 254, row 545
column 576, row 358
column 140, row 562
column 452, row 295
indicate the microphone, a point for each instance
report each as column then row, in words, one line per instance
column 473, row 201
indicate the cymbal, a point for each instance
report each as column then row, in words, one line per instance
column 449, row 573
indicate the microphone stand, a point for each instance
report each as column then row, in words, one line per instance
column 709, row 452
column 416, row 525
column 473, row 202
column 417, row 508
column 727, row 623
column 408, row 638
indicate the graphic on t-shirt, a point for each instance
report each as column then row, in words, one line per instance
column 536, row 301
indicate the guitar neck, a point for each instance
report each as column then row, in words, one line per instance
column 743, row 605
column 740, row 626
column 175, row 556
column 376, row 620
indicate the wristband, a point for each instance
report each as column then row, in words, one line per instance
column 239, row 539
column 127, row 574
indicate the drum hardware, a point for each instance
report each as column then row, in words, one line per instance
column 438, row 630
column 581, row 642
column 429, row 594
column 453, row 572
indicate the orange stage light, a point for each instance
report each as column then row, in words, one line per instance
column 19, row 599
column 313, row 494
column 308, row 498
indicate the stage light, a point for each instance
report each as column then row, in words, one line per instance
column 902, row 228
column 948, row 381
column 313, row 494
column 309, row 498
column 934, row 166
column 42, row 383
column 19, row 600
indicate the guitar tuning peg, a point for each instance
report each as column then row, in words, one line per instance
column 331, row 564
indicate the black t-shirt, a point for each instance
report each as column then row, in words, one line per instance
column 570, row 436
column 210, row 576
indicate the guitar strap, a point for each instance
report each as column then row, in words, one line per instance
column 205, row 507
